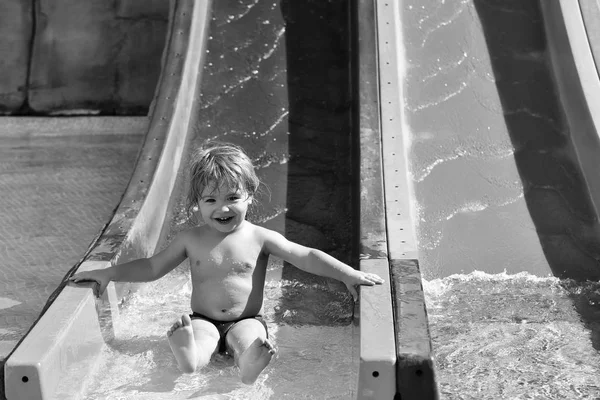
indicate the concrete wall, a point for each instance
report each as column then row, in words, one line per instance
column 15, row 37
column 88, row 56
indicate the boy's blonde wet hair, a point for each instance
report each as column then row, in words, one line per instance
column 219, row 164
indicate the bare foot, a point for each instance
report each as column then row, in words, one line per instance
column 252, row 361
column 183, row 346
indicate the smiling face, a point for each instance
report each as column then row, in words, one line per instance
column 224, row 208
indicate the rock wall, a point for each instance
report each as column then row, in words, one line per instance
column 88, row 56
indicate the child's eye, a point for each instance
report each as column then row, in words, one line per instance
column 209, row 200
column 234, row 198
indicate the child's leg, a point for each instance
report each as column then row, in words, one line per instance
column 193, row 342
column 252, row 351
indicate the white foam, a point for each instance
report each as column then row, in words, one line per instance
column 463, row 151
column 472, row 206
column 439, row 286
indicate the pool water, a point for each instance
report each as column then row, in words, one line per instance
column 313, row 362
column 513, row 336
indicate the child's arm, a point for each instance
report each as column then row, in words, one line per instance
column 318, row 262
column 140, row 270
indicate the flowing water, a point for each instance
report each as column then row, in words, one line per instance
column 500, row 204
column 512, row 336
column 314, row 361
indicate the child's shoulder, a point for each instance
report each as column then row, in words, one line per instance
column 264, row 233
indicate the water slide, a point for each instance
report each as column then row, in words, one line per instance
column 258, row 84
column 449, row 140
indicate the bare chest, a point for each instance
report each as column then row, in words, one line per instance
column 225, row 260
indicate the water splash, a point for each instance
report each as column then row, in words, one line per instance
column 230, row 18
column 462, row 6
column 477, row 206
column 511, row 336
column 460, row 151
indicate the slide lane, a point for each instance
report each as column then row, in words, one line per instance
column 56, row 355
column 63, row 349
column 502, row 160
column 498, row 128
column 276, row 82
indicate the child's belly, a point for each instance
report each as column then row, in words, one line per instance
column 227, row 300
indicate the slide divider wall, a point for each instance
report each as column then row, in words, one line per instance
column 54, row 359
column 396, row 355
column 377, row 341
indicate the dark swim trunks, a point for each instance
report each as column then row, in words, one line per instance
column 224, row 326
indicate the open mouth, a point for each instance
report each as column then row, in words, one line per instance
column 224, row 220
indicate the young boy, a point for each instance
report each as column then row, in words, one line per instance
column 228, row 258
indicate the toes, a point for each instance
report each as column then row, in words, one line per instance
column 172, row 329
column 176, row 325
column 184, row 321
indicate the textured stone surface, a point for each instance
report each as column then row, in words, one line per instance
column 15, row 34
column 57, row 193
column 86, row 56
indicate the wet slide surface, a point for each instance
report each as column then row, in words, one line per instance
column 505, row 221
column 60, row 184
column 276, row 81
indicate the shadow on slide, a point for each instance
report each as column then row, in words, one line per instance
column 555, row 190
column 317, row 41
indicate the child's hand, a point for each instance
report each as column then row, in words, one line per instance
column 100, row 277
column 361, row 278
